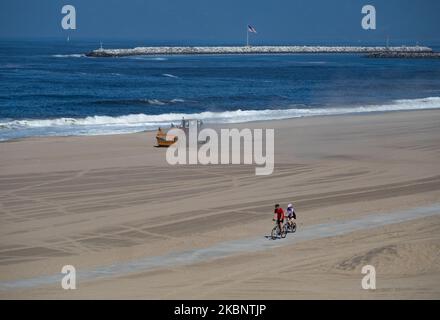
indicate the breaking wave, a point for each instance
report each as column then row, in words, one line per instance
column 75, row 55
column 94, row 125
column 154, row 102
column 169, row 75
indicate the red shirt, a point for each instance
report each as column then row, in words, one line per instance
column 280, row 213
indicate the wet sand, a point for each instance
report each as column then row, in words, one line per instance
column 103, row 200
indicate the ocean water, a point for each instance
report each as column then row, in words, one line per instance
column 51, row 88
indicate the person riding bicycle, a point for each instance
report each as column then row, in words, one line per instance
column 291, row 215
column 279, row 216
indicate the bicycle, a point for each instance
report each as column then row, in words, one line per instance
column 290, row 226
column 277, row 232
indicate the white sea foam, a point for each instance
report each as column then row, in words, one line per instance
column 149, row 58
column 169, row 75
column 75, row 55
column 156, row 102
column 96, row 125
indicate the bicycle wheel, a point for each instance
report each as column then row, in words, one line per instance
column 274, row 233
column 283, row 233
column 293, row 228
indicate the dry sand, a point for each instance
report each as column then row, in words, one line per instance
column 97, row 201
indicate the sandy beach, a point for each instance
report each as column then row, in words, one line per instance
column 93, row 201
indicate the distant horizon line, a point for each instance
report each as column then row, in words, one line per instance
column 106, row 38
column 176, row 42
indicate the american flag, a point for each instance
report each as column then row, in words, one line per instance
column 251, row 29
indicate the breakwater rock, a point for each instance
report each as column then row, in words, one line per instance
column 252, row 50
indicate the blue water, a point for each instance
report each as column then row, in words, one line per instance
column 51, row 88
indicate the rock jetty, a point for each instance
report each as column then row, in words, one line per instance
column 405, row 55
column 252, row 50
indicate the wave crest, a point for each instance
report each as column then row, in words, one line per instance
column 136, row 122
column 73, row 55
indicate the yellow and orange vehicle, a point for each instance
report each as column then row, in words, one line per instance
column 165, row 140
